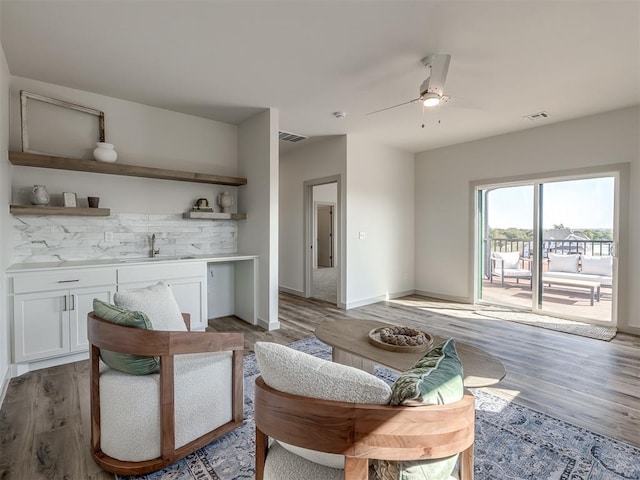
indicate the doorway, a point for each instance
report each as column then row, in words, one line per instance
column 548, row 246
column 322, row 233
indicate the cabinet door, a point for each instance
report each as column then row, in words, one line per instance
column 191, row 297
column 41, row 325
column 80, row 304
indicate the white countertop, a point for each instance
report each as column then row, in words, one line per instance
column 120, row 262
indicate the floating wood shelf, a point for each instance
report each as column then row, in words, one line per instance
column 214, row 216
column 80, row 165
column 72, row 211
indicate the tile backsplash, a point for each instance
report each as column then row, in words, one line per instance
column 47, row 238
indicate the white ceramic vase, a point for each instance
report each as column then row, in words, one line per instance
column 225, row 200
column 104, row 152
column 39, row 195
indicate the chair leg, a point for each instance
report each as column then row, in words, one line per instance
column 466, row 464
column 355, row 468
column 262, row 445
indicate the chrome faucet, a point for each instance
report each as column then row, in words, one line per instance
column 154, row 251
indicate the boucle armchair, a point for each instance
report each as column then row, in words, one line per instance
column 181, row 389
column 324, row 421
column 360, row 432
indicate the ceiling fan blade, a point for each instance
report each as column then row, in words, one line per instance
column 398, row 105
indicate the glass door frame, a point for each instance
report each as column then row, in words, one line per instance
column 477, row 244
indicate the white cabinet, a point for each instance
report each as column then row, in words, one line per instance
column 188, row 281
column 50, row 305
column 50, row 311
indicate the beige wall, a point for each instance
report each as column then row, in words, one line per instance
column 142, row 135
column 443, row 187
column 380, row 204
column 258, row 234
column 378, row 200
column 5, row 230
column 319, row 160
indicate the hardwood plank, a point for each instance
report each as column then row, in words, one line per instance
column 587, row 382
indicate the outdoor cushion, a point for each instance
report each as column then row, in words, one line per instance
column 435, row 379
column 124, row 362
column 509, row 260
column 563, row 263
column 598, row 265
column 158, row 302
column 299, row 373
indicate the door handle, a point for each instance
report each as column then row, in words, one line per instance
column 64, row 305
column 614, row 249
column 73, row 302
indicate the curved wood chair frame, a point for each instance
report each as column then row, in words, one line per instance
column 362, row 432
column 166, row 345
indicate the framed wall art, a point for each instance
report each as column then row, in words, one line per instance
column 56, row 127
column 69, row 199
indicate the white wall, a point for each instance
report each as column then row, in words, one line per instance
column 258, row 234
column 443, row 204
column 5, row 230
column 380, row 204
column 142, row 135
column 318, row 160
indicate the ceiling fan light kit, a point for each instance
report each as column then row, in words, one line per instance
column 431, row 99
column 432, row 89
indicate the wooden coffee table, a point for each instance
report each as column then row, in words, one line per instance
column 349, row 340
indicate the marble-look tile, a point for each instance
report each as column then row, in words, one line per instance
column 43, row 238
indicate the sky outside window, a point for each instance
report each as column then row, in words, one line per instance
column 576, row 204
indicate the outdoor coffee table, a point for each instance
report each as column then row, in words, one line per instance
column 592, row 286
column 349, row 340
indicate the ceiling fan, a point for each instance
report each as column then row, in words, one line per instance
column 432, row 89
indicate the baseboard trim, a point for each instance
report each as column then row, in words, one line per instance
column 442, row 296
column 6, row 378
column 268, row 325
column 379, row 298
column 18, row 369
column 628, row 329
column 292, row 291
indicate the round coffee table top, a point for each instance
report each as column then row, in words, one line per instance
column 481, row 369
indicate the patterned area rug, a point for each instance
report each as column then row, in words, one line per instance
column 552, row 323
column 512, row 442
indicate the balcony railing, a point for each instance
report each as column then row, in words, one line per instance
column 525, row 247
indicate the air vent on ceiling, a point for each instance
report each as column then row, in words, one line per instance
column 537, row 116
column 291, row 137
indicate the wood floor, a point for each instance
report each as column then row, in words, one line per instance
column 44, row 420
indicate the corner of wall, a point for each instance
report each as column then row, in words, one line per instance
column 258, row 161
column 5, row 237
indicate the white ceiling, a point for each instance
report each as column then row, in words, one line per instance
column 227, row 60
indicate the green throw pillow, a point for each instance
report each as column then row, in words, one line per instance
column 435, row 379
column 124, row 362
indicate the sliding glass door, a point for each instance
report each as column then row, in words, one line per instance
column 548, row 246
column 507, row 242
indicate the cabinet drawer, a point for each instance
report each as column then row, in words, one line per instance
column 63, row 279
column 155, row 273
